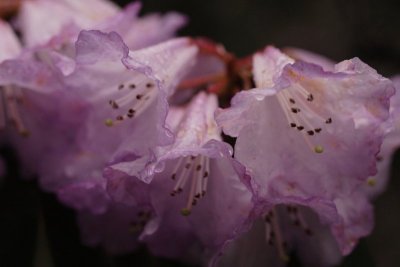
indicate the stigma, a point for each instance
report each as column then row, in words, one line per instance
column 191, row 173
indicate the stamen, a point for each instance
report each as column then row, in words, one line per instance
column 132, row 102
column 274, row 234
column 196, row 169
column 298, row 219
column 299, row 115
column 11, row 97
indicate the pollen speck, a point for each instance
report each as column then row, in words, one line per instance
column 185, row 212
column 108, row 122
column 371, row 181
column 318, row 149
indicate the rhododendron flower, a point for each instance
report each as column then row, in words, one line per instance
column 302, row 133
column 195, row 177
column 128, row 89
column 36, row 28
column 73, row 16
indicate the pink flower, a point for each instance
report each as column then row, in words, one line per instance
column 195, row 177
column 303, row 132
column 72, row 16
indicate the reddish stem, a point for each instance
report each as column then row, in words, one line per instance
column 209, row 47
column 201, row 80
column 8, row 7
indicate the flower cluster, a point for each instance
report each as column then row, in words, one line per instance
column 175, row 144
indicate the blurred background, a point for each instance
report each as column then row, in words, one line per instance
column 35, row 230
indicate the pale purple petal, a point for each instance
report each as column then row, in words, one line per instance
column 310, row 57
column 206, row 186
column 9, row 45
column 33, row 18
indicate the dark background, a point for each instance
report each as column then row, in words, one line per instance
column 37, row 231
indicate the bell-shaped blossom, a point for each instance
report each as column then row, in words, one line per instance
column 33, row 18
column 302, row 133
column 71, row 115
column 128, row 90
column 196, row 177
column 71, row 16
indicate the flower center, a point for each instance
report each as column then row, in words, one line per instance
column 302, row 114
column 132, row 99
column 11, row 98
column 193, row 170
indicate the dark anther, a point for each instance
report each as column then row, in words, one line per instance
column 205, row 175
column 310, row 97
column 311, row 132
column 120, row 118
column 187, row 166
column 328, row 121
column 149, row 85
column 121, row 86
column 173, row 176
column 138, row 97
column 300, row 128
column 132, row 86
column 292, row 124
column 291, row 100
column 198, row 168
column 113, row 104
column 318, row 130
column 295, row 110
